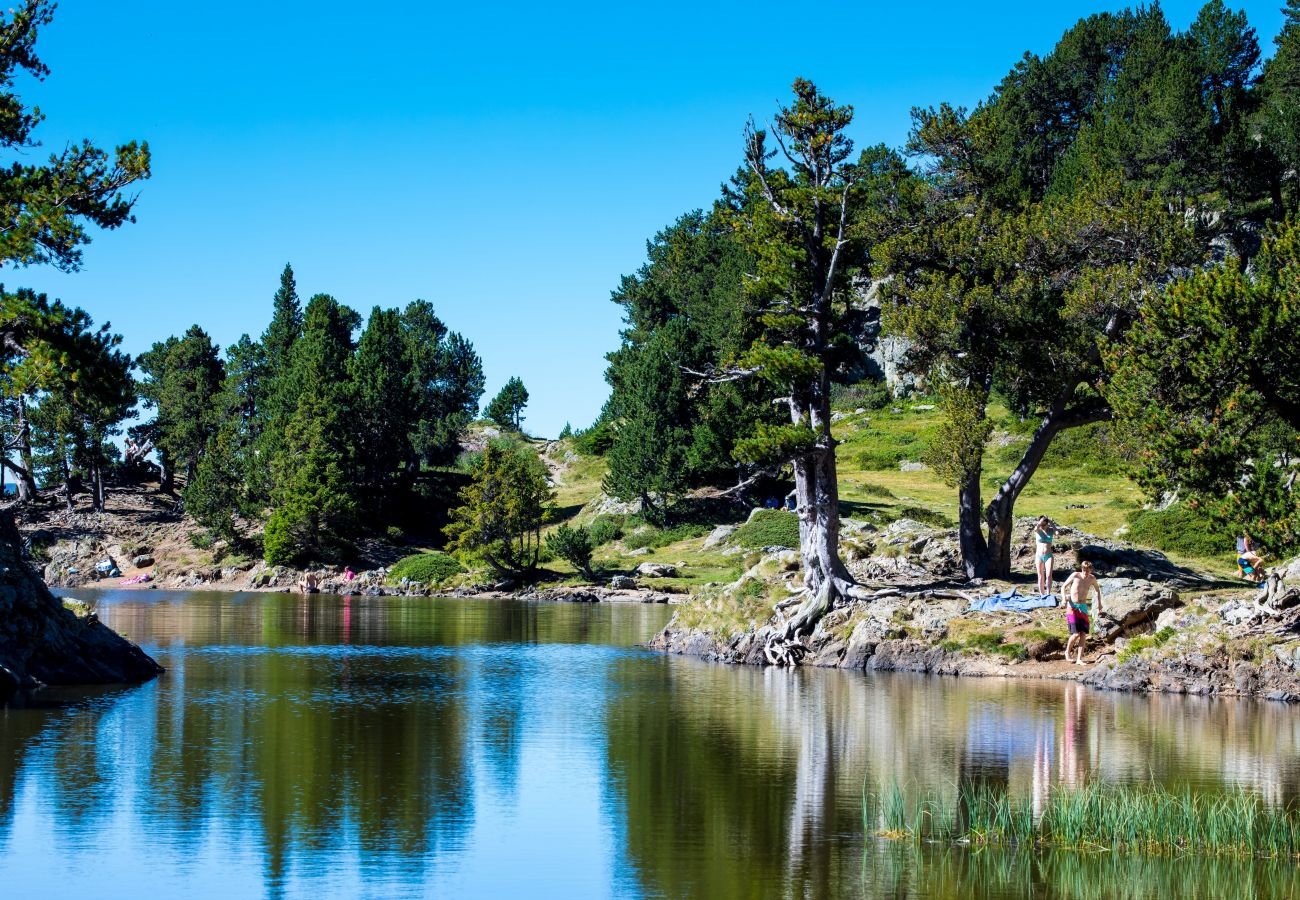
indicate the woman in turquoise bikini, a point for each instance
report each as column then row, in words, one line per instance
column 1044, row 534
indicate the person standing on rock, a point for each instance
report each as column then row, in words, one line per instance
column 1044, row 534
column 1076, row 591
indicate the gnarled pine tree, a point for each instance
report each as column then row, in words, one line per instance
column 806, row 223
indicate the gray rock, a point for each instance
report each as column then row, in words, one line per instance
column 41, row 642
column 623, row 583
column 1128, row 603
column 908, row 465
column 719, row 535
column 143, row 561
column 640, row 551
column 656, row 570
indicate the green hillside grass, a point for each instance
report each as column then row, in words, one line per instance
column 1082, row 484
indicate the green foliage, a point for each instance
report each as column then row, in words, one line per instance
column 503, row 510
column 183, row 378
column 871, row 394
column 1182, row 528
column 596, row 440
column 424, row 568
column 314, row 502
column 1141, row 643
column 506, row 408
column 957, row 452
column 1217, row 411
column 604, row 529
column 685, row 311
column 652, row 431
column 52, row 355
column 1130, row 818
column 653, row 537
column 574, row 546
column 49, row 207
column 925, row 516
column 768, row 528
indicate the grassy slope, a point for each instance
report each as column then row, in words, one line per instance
column 1077, row 485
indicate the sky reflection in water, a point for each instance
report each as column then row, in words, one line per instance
column 386, row 747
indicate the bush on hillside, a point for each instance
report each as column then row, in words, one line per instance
column 870, row 394
column 574, row 546
column 425, row 568
column 1181, row 529
column 605, row 529
column 769, row 528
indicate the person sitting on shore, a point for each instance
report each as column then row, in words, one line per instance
column 1248, row 559
column 1044, row 534
column 1075, row 592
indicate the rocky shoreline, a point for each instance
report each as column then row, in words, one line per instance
column 1169, row 631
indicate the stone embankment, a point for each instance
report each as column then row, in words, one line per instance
column 42, row 642
column 1164, row 628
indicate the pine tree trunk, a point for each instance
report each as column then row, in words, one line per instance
column 1001, row 512
column 817, row 497
column 166, row 480
column 970, row 537
column 26, row 475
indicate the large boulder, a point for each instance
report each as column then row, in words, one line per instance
column 719, row 535
column 1129, row 604
column 41, row 642
column 656, row 570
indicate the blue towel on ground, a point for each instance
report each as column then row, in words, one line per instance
column 1012, row 601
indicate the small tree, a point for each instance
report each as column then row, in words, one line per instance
column 652, row 432
column 574, row 546
column 502, row 512
column 506, row 407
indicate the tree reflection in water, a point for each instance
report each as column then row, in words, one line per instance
column 316, row 746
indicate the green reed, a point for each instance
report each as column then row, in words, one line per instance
column 1141, row 818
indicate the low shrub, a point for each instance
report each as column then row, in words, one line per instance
column 925, row 516
column 871, row 394
column 768, row 528
column 573, row 545
column 604, row 529
column 1181, row 529
column 426, row 568
column 654, row 538
column 876, row 490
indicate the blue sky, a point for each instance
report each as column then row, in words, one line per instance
column 504, row 161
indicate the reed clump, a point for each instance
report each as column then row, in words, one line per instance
column 1133, row 818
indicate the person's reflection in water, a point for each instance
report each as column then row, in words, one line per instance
column 1044, row 750
column 1074, row 746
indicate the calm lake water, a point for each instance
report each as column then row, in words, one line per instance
column 390, row 747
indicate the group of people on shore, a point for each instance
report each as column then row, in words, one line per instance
column 1079, row 586
column 1076, row 590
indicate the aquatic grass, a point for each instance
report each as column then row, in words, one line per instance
column 1131, row 818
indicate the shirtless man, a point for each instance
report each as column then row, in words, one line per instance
column 1076, row 592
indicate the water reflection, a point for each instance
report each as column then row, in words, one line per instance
column 327, row 746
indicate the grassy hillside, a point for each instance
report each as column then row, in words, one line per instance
column 1081, row 484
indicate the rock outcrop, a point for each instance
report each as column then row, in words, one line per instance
column 43, row 643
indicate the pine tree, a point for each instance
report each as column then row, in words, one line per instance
column 314, row 477
column 652, row 427
column 506, row 408
column 185, row 380
column 503, row 510
column 384, row 402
